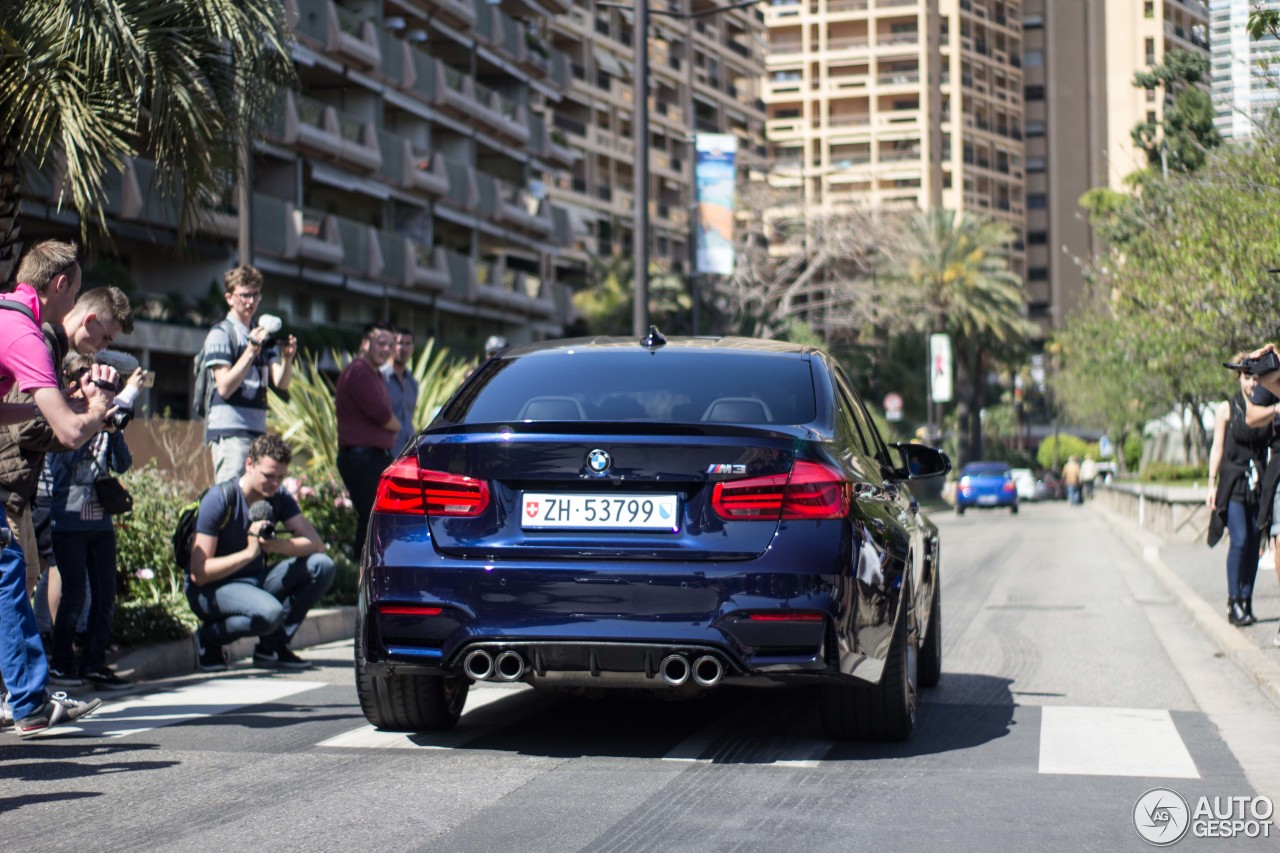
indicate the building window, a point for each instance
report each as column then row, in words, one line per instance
column 1033, row 93
column 1033, row 58
column 1035, row 165
column 1032, row 22
column 1037, row 238
column 1035, row 128
column 1149, row 47
column 1038, row 274
column 1148, row 8
column 1036, row 201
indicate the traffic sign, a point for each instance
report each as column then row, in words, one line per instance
column 892, row 407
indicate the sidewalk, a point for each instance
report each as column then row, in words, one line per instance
column 1196, row 577
column 178, row 657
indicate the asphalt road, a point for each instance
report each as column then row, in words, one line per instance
column 1071, row 687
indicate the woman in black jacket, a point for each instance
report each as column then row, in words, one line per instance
column 1236, row 463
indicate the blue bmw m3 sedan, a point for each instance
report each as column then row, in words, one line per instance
column 674, row 515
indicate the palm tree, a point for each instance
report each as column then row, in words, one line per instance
column 954, row 277
column 85, row 84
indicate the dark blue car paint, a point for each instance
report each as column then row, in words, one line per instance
column 499, row 584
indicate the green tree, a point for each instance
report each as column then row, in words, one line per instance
column 952, row 275
column 86, row 83
column 1181, row 141
column 606, row 306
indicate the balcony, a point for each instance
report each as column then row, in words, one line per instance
column 312, row 236
column 462, row 275
column 517, row 208
column 511, row 41
column 339, row 31
column 838, row 43
column 458, row 12
column 488, row 28
column 425, row 267
column 361, row 251
column 464, row 191
column 426, row 170
column 319, row 127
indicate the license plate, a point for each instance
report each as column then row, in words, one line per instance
column 987, row 499
column 599, row 512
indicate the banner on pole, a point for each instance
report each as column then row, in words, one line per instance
column 940, row 384
column 715, row 174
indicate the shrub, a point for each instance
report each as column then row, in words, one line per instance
column 144, row 549
column 139, row 622
column 1168, row 471
column 1068, row 446
column 325, row 503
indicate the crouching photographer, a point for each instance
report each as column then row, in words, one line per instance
column 229, row 584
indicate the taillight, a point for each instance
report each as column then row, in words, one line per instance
column 811, row 491
column 406, row 489
column 785, row 616
column 1009, row 486
column 409, row 610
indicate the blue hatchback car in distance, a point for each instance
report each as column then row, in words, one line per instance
column 985, row 485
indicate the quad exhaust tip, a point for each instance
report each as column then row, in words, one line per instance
column 509, row 666
column 674, row 670
column 707, row 671
column 478, row 665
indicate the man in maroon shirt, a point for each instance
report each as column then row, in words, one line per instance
column 366, row 425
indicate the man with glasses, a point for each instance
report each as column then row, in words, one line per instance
column 241, row 370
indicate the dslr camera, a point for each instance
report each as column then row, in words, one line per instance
column 1264, row 363
column 273, row 325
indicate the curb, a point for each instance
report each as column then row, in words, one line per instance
column 1263, row 669
column 178, row 657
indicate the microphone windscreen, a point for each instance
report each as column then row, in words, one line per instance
column 124, row 363
column 261, row 511
column 271, row 323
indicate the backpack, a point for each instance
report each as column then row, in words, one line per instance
column 202, row 396
column 184, row 533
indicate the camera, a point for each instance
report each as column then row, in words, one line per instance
column 267, row 531
column 273, row 325
column 1264, row 363
column 120, row 418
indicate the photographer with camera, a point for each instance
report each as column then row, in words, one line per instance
column 84, row 540
column 229, row 585
column 48, row 281
column 243, row 362
column 1263, row 411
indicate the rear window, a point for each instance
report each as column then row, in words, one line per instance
column 986, row 469
column 680, row 386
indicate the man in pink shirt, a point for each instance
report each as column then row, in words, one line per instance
column 48, row 282
column 366, row 425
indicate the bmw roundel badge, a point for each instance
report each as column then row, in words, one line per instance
column 598, row 461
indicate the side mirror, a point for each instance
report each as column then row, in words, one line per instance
column 920, row 461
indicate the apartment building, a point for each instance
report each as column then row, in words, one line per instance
column 896, row 104
column 704, row 77
column 1081, row 105
column 1244, row 72
column 405, row 178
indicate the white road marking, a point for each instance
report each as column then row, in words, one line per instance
column 367, row 737
column 1112, row 742
column 193, row 701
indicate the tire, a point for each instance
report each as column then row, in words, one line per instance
column 930, row 671
column 884, row 712
column 408, row 703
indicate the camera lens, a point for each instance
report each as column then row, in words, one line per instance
column 120, row 418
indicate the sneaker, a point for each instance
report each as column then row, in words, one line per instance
column 64, row 677
column 106, row 679
column 59, row 709
column 281, row 656
column 211, row 658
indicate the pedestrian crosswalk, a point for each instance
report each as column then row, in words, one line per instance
column 1073, row 741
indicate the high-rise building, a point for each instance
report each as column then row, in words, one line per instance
column 897, row 104
column 1081, row 107
column 1244, row 72
column 404, row 178
column 704, row 77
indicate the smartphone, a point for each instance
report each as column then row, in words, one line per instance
column 148, row 378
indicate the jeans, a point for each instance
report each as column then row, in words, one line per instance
column 22, row 662
column 361, row 470
column 229, row 455
column 1242, row 555
column 84, row 558
column 271, row 608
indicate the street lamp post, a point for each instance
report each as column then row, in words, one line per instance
column 640, row 139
